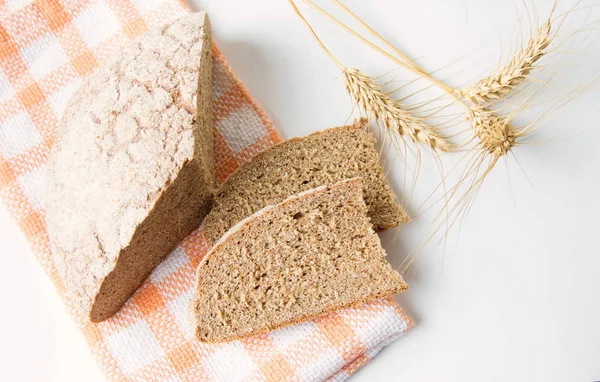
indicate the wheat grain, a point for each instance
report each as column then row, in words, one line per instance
column 389, row 112
column 496, row 135
column 502, row 82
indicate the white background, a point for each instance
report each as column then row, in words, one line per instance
column 515, row 298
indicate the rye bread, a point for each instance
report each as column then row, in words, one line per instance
column 132, row 172
column 300, row 164
column 309, row 255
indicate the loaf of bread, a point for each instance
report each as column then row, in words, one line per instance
column 300, row 164
column 131, row 172
column 309, row 255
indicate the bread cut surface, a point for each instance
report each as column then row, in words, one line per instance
column 309, row 255
column 132, row 172
column 300, row 164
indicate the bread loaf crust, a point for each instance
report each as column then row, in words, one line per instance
column 132, row 172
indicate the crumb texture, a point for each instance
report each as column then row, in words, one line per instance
column 132, row 139
column 301, row 164
column 310, row 255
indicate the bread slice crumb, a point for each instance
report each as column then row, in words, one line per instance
column 312, row 254
column 301, row 164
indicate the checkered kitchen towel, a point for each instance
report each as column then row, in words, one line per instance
column 47, row 47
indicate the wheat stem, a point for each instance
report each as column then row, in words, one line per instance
column 410, row 65
column 379, row 36
column 314, row 34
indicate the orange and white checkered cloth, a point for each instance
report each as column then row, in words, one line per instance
column 47, row 47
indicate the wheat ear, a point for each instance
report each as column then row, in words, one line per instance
column 496, row 135
column 502, row 82
column 374, row 102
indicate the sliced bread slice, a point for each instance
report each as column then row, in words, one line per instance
column 132, row 170
column 312, row 254
column 300, row 164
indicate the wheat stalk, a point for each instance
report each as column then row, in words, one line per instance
column 496, row 133
column 502, row 82
column 374, row 102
